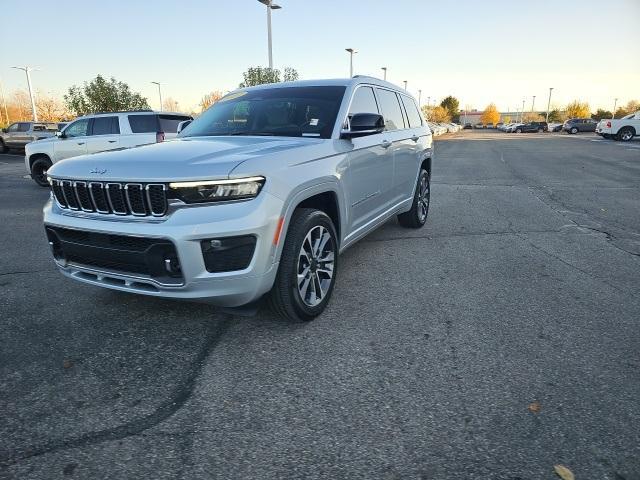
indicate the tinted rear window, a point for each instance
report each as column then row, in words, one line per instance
column 144, row 123
column 412, row 111
column 105, row 126
column 169, row 123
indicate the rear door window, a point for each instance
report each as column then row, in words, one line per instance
column 391, row 111
column 144, row 123
column 23, row 127
column 415, row 120
column 105, row 126
column 169, row 123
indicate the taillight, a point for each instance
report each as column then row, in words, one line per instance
column 608, row 124
column 159, row 137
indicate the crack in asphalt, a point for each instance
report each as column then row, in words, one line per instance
column 26, row 272
column 175, row 402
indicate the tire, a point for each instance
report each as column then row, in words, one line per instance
column 540, row 130
column 3, row 147
column 518, row 130
column 417, row 216
column 573, row 131
column 39, row 171
column 606, row 135
column 295, row 299
column 625, row 134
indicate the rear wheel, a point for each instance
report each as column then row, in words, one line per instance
column 39, row 170
column 417, row 216
column 540, row 130
column 3, row 147
column 518, row 130
column 574, row 130
column 308, row 266
column 625, row 134
column 606, row 135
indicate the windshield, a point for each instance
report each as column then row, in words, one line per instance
column 286, row 111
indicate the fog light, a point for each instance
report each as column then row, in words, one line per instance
column 228, row 254
column 172, row 266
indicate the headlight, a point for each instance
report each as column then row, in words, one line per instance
column 216, row 190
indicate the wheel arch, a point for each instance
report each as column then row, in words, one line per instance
column 37, row 156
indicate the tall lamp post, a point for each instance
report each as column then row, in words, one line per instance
column 533, row 103
column 4, row 102
column 615, row 104
column 159, row 93
column 419, row 98
column 405, row 84
column 522, row 111
column 27, row 70
column 549, row 104
column 384, row 70
column 351, row 52
column 270, row 6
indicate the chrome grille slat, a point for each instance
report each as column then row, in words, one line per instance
column 157, row 198
column 115, row 198
column 84, row 200
column 134, row 194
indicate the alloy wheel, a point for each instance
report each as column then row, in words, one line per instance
column 315, row 265
column 424, row 195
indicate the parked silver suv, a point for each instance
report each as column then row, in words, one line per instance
column 257, row 196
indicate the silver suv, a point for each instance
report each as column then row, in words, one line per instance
column 256, row 197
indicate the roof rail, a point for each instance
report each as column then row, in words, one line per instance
column 122, row 111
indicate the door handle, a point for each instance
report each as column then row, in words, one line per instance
column 415, row 138
column 111, row 141
column 385, row 144
column 80, row 143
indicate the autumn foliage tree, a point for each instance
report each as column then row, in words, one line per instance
column 578, row 109
column 210, row 98
column 452, row 105
column 490, row 115
column 436, row 114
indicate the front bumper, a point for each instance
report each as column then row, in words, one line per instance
column 185, row 227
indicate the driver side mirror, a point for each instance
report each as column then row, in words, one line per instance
column 362, row 124
column 60, row 135
column 182, row 125
column 5, row 130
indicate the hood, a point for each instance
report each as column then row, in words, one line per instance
column 194, row 158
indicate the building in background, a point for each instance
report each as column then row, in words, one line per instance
column 473, row 117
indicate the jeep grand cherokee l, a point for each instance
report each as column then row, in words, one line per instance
column 256, row 197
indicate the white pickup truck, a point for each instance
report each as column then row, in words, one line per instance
column 623, row 129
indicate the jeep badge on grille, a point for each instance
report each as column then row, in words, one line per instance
column 100, row 171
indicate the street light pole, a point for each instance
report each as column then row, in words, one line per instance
column 27, row 70
column 159, row 93
column 4, row 103
column 405, row 84
column 384, row 69
column 533, row 103
column 522, row 111
column 270, row 6
column 351, row 52
column 549, row 104
column 613, row 115
column 419, row 98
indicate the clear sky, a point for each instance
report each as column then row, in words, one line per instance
column 480, row 51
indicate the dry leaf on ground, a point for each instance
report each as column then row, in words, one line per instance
column 563, row 472
column 534, row 407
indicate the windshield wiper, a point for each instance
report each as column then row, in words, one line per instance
column 262, row 134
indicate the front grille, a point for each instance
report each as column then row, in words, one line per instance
column 118, row 198
column 156, row 258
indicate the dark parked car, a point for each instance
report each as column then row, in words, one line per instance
column 533, row 127
column 467, row 126
column 576, row 125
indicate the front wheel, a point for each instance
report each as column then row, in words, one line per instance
column 39, row 171
column 518, row 130
column 606, row 135
column 574, row 130
column 3, row 147
column 308, row 266
column 417, row 216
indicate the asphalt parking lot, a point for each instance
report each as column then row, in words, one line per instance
column 498, row 341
